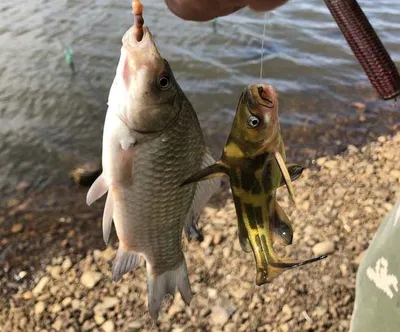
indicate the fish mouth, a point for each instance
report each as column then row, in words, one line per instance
column 260, row 95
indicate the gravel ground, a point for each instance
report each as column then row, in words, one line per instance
column 56, row 273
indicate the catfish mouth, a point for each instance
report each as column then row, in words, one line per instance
column 257, row 95
column 257, row 100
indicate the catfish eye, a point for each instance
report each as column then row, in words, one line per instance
column 252, row 121
column 164, row 82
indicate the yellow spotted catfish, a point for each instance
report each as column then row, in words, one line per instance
column 254, row 160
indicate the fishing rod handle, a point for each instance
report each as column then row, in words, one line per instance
column 366, row 46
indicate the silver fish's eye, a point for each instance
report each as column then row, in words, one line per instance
column 253, row 121
column 164, row 82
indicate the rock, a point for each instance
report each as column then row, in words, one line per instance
column 99, row 319
column 219, row 316
column 27, row 295
column 322, row 248
column 22, row 323
column 108, row 326
column 284, row 327
column 320, row 161
column 309, row 230
column 331, row 164
column 39, row 308
column 58, row 324
column 90, row 279
column 66, row 302
column 174, row 309
column 369, row 170
column 286, row 313
column 359, row 106
column 395, row 173
column 134, row 326
column 67, row 264
column 86, row 174
column 85, row 315
column 110, row 302
column 75, row 304
column 55, row 308
column 212, row 293
column 40, row 286
column 108, row 254
column 230, row 327
column 12, row 203
column 16, row 228
column 55, row 272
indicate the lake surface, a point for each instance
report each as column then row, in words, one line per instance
column 50, row 121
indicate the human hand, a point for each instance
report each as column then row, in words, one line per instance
column 205, row 10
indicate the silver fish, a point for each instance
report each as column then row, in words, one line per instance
column 152, row 141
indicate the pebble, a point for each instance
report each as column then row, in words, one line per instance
column 134, row 326
column 322, row 248
column 66, row 302
column 85, row 315
column 55, row 271
column 174, row 309
column 99, row 319
column 27, row 295
column 90, row 279
column 286, row 313
column 219, row 316
column 39, row 308
column 40, row 286
column 58, row 324
column 16, row 228
column 331, row 164
column 108, row 326
column 67, row 264
column 55, row 308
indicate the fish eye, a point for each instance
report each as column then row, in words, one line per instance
column 253, row 121
column 164, row 82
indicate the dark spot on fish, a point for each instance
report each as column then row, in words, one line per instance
column 234, row 177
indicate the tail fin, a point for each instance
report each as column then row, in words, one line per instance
column 166, row 283
column 275, row 268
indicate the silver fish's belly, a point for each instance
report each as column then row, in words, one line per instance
column 149, row 216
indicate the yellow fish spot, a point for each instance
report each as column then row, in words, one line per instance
column 232, row 150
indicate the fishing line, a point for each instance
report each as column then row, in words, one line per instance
column 262, row 45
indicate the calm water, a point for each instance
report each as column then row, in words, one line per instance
column 49, row 121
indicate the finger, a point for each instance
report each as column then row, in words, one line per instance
column 263, row 5
column 204, row 10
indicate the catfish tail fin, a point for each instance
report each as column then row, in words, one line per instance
column 274, row 269
column 166, row 283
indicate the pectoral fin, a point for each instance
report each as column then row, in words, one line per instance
column 213, row 171
column 97, row 190
column 294, row 171
column 108, row 217
column 283, row 231
column 285, row 175
column 203, row 192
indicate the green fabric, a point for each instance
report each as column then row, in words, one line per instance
column 377, row 303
